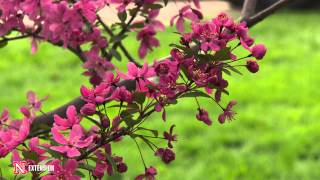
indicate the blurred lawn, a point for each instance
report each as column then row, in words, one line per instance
column 276, row 132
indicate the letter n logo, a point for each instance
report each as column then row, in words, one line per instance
column 20, row 167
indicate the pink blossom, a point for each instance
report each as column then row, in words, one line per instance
column 65, row 171
column 227, row 113
column 204, row 116
column 166, row 155
column 33, row 101
column 149, row 174
column 10, row 138
column 148, row 40
column 72, row 119
column 184, row 12
column 140, row 75
column 70, row 145
column 170, row 136
column 122, row 94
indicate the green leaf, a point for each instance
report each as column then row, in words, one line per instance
column 3, row 44
column 51, row 152
column 205, row 58
column 139, row 97
column 133, row 11
column 154, row 6
column 129, row 121
column 132, row 108
column 153, row 131
column 222, row 55
column 165, row 2
column 137, row 25
column 233, row 69
column 30, row 155
column 79, row 173
column 145, row 140
column 186, row 50
column 115, row 54
column 195, row 93
column 123, row 16
column 86, row 167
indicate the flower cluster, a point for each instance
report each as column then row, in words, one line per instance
column 82, row 137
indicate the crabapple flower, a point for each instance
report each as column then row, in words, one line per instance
column 70, row 146
column 88, row 109
column 10, row 138
column 204, row 116
column 63, row 172
column 252, row 66
column 227, row 113
column 72, row 119
column 141, row 75
column 170, row 136
column 184, row 12
column 258, row 51
column 34, row 103
column 148, row 40
column 166, row 155
column 149, row 174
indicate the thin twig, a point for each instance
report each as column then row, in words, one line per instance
column 122, row 47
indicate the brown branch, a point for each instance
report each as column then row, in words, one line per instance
column 248, row 9
column 5, row 39
column 266, row 12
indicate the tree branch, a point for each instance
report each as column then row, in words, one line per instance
column 248, row 9
column 123, row 49
column 266, row 12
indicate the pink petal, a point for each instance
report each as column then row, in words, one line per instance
column 132, row 69
column 180, row 25
column 72, row 115
column 61, row 149
column 33, row 143
column 58, row 137
column 190, row 15
column 71, row 165
column 73, row 152
column 142, row 50
column 76, row 132
column 49, row 177
column 31, row 96
column 34, row 46
column 84, row 143
column 197, row 3
column 61, row 121
column 185, row 8
column 172, row 20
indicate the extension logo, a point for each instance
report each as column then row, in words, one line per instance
column 22, row 167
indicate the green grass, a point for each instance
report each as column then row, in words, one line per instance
column 275, row 134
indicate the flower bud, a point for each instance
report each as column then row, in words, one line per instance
column 122, row 167
column 88, row 109
column 105, row 121
column 258, row 51
column 252, row 66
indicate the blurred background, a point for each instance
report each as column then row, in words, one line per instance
column 277, row 129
